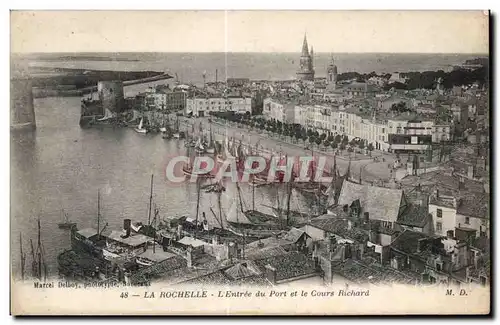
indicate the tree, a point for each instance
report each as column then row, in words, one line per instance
column 330, row 138
column 326, row 143
column 370, row 148
column 345, row 140
column 311, row 139
column 338, row 138
column 342, row 147
column 361, row 144
column 318, row 141
column 322, row 136
column 350, row 149
column 334, row 145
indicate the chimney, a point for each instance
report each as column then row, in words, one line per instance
column 126, row 277
column 189, row 256
column 126, row 227
column 437, row 194
column 179, row 232
column 461, row 184
column 366, row 217
column 270, row 274
column 470, row 172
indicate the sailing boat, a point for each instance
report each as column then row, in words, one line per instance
column 107, row 115
column 23, row 256
column 177, row 133
column 66, row 224
column 38, row 265
column 188, row 168
column 247, row 223
column 140, row 128
column 198, row 147
column 211, row 144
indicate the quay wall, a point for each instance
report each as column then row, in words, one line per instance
column 22, row 110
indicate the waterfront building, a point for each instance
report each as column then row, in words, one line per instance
column 111, row 95
column 166, row 100
column 306, row 68
column 203, row 106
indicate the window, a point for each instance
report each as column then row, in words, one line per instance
column 467, row 221
column 439, row 227
column 439, row 213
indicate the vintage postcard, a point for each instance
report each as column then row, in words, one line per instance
column 250, row 163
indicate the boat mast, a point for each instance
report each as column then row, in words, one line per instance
column 23, row 256
column 220, row 209
column 253, row 193
column 197, row 206
column 150, row 201
column 288, row 203
column 239, row 196
column 39, row 252
column 98, row 215
column 33, row 260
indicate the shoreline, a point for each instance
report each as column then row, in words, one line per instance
column 52, row 92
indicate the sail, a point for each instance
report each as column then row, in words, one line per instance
column 135, row 115
column 235, row 215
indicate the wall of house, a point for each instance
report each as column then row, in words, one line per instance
column 315, row 233
column 448, row 221
column 474, row 223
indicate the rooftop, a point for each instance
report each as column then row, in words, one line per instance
column 288, row 266
column 381, row 203
column 133, row 240
column 414, row 215
column 190, row 241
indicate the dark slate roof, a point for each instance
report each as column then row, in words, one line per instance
column 266, row 252
column 293, row 235
column 243, row 270
column 414, row 215
column 155, row 271
column 407, row 242
column 475, row 205
column 382, row 203
column 289, row 265
column 340, row 227
column 359, row 272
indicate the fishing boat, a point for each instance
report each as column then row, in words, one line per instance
column 66, row 224
column 107, row 115
column 177, row 134
column 140, row 128
column 198, row 147
column 187, row 169
column 210, row 148
column 143, row 261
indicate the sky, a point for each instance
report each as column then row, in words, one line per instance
column 249, row 31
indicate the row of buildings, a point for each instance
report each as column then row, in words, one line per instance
column 403, row 131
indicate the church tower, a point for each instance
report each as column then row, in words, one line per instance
column 331, row 76
column 306, row 70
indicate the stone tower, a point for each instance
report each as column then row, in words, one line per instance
column 331, row 75
column 306, row 70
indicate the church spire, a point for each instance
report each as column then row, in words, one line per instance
column 305, row 48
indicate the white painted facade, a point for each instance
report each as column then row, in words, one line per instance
column 203, row 106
